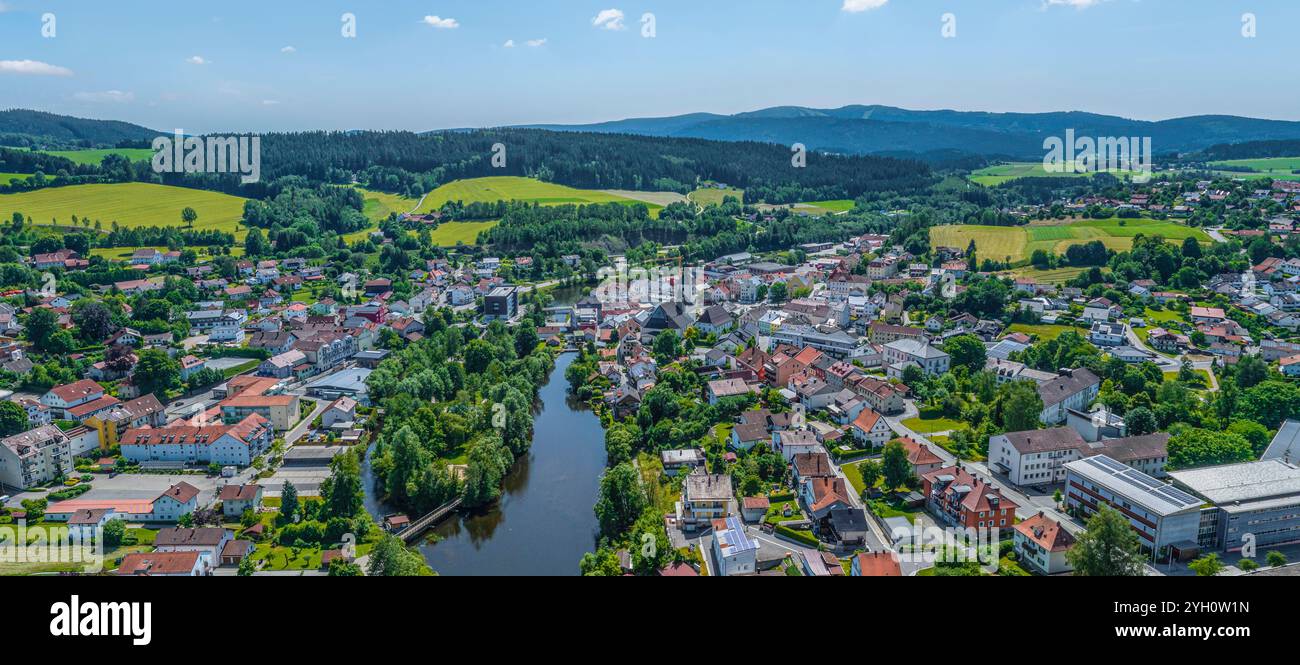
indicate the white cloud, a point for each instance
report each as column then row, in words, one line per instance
column 196, row 60
column 32, row 68
column 537, row 42
column 105, row 97
column 855, row 6
column 3, row 7
column 288, row 49
column 270, row 102
column 441, row 23
column 1077, row 4
column 609, row 19
column 510, row 43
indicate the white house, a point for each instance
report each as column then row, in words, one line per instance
column 795, row 442
column 733, row 551
column 1041, row 543
column 871, row 430
column 900, row 353
column 235, row 445
column 1105, row 333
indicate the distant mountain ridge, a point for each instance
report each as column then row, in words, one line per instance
column 26, row 128
column 931, row 136
column 868, row 129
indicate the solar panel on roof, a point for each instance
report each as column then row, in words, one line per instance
column 1108, row 463
column 1179, row 495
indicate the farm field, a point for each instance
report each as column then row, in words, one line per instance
column 708, row 196
column 662, row 199
column 1017, row 243
column 1052, row 276
column 992, row 176
column 511, row 188
column 6, row 178
column 97, row 156
column 1275, row 166
column 133, row 204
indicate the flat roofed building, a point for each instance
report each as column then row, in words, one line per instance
column 1260, row 498
column 1162, row 515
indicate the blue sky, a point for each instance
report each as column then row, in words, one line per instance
column 224, row 66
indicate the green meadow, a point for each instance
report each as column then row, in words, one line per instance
column 132, row 204
column 1018, row 243
column 512, row 188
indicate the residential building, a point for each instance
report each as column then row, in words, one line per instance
column 679, row 461
column 1071, row 389
column 235, row 499
column 34, row 457
column 733, row 551
column 281, row 410
column 166, row 564
column 705, row 497
column 1038, row 457
column 904, row 352
column 144, row 411
column 871, row 430
column 1041, row 544
column 234, row 445
column 875, row 564
column 959, row 498
column 61, row 398
column 179, row 499
column 502, row 303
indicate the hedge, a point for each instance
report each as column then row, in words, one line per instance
column 801, row 537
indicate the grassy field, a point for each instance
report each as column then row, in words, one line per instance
column 1202, row 373
column 713, row 196
column 510, row 188
column 131, row 204
column 378, row 205
column 6, row 178
column 1018, row 243
column 97, row 156
column 992, row 176
column 1277, row 167
column 1044, row 332
column 826, row 207
column 929, row 425
column 448, row 234
column 1053, row 276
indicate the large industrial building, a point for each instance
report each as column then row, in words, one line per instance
column 1254, row 502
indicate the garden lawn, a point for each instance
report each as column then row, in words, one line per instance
column 1044, row 332
column 931, row 425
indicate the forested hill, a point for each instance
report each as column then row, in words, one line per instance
column 412, row 164
column 881, row 129
column 25, row 128
column 394, row 161
column 1250, row 150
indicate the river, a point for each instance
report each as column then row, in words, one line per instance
column 544, row 521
